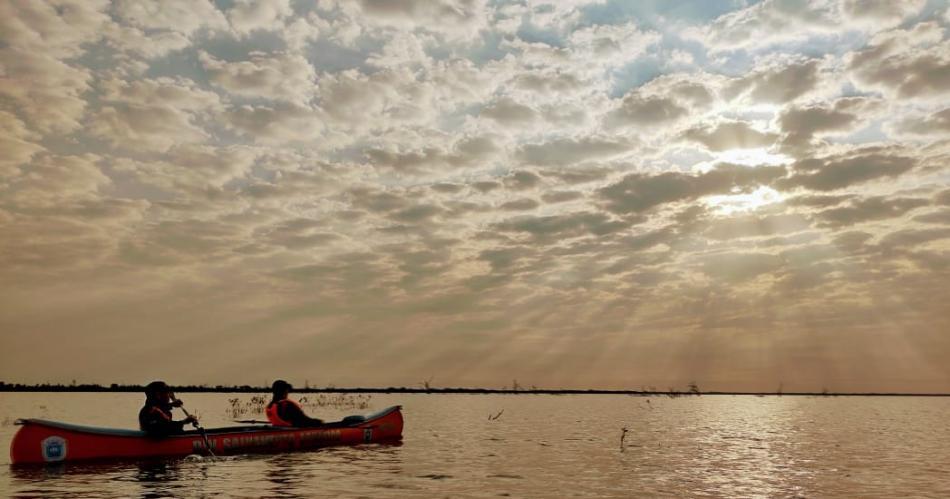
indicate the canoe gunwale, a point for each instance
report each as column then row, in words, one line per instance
column 122, row 432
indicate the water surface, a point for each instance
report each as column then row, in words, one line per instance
column 541, row 446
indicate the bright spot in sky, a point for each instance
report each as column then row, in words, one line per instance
column 748, row 201
column 758, row 156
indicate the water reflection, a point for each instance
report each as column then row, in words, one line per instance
column 742, row 447
column 284, row 472
column 158, row 478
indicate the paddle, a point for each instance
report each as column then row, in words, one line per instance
column 196, row 425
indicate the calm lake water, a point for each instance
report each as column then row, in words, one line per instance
column 541, row 446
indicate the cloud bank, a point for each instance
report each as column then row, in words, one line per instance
column 378, row 193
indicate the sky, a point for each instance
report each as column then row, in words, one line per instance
column 571, row 194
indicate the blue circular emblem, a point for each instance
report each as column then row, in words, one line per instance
column 54, row 449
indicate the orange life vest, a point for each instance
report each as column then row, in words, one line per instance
column 273, row 414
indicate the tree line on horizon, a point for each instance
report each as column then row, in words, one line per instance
column 692, row 389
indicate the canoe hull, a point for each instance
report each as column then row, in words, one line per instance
column 39, row 441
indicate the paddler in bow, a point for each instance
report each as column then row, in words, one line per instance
column 281, row 411
column 155, row 418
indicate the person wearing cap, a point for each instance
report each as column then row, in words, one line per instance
column 155, row 418
column 281, row 411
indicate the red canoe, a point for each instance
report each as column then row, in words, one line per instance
column 40, row 441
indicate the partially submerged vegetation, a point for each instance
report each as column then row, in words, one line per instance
column 255, row 405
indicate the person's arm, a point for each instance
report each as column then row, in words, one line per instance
column 155, row 421
column 293, row 415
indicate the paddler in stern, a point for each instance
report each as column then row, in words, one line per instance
column 281, row 411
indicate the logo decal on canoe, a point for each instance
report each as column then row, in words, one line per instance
column 54, row 449
column 368, row 435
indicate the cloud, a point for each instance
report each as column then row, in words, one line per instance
column 486, row 186
column 837, row 172
column 575, row 176
column 934, row 217
column 354, row 102
column 17, row 143
column 246, row 16
column 52, row 30
column 133, row 43
column 402, row 49
column 547, row 83
column 446, row 188
column 852, row 241
column 910, row 238
column 51, row 179
column 279, row 123
column 277, row 76
column 868, row 209
column 151, row 114
column 774, row 22
column 182, row 16
column 191, row 168
column 768, row 22
column 464, row 152
column 416, row 214
column 509, row 112
column 521, row 180
column 47, row 92
column 566, row 151
column 662, row 101
column 176, row 242
column 729, row 135
column 552, row 197
column 801, row 124
column 453, row 20
column 559, row 227
column 297, row 234
column 819, row 201
column 601, row 46
column 640, row 192
column 524, row 204
column 779, row 84
column 881, row 13
column 737, row 267
column 646, row 111
column 908, row 63
column 936, row 123
column 756, row 226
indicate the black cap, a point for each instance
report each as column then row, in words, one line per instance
column 156, row 387
column 280, row 385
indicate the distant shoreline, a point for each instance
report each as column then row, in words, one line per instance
column 94, row 388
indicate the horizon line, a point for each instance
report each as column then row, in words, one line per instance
column 126, row 388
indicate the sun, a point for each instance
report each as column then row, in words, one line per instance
column 758, row 156
column 749, row 201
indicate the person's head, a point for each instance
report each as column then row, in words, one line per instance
column 158, row 391
column 280, row 388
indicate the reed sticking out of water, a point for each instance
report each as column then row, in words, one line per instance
column 257, row 403
column 623, row 435
column 496, row 416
